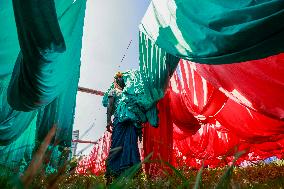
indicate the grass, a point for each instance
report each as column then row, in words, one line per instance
column 258, row 175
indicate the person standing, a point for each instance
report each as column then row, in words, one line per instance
column 124, row 151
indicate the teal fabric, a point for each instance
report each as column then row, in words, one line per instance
column 12, row 123
column 156, row 67
column 9, row 44
column 43, row 66
column 133, row 104
column 43, row 83
column 214, row 31
column 60, row 112
column 117, row 97
column 209, row 32
column 20, row 150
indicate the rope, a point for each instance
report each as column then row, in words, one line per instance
column 87, row 131
column 84, row 149
column 126, row 51
column 100, row 93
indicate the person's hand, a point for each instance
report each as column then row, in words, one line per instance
column 109, row 125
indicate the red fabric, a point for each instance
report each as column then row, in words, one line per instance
column 260, row 83
column 198, row 95
column 211, row 112
column 238, row 107
column 159, row 140
column 250, row 125
column 95, row 162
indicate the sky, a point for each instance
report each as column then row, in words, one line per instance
column 108, row 28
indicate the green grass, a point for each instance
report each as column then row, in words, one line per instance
column 257, row 176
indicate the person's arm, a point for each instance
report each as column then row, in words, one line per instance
column 110, row 111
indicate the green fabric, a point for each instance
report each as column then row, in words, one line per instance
column 44, row 82
column 9, row 44
column 156, row 67
column 19, row 151
column 210, row 32
column 61, row 111
column 133, row 104
column 214, row 31
column 12, row 122
column 43, row 66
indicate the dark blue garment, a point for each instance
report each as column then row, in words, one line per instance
column 124, row 150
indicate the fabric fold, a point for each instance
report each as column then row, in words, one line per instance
column 35, row 82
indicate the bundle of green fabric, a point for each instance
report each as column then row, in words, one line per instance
column 134, row 104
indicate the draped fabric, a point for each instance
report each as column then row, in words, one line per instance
column 208, row 125
column 260, row 82
column 196, row 125
column 216, row 32
column 159, row 140
column 39, row 73
column 9, row 42
column 230, row 99
column 43, row 65
column 221, row 130
column 12, row 123
column 95, row 162
column 156, row 67
column 19, row 152
column 61, row 110
column 209, row 111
